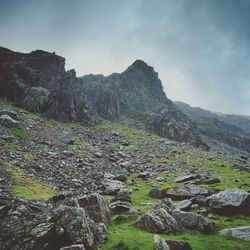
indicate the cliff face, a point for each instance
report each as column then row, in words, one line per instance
column 38, row 82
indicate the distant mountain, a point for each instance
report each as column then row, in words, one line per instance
column 233, row 130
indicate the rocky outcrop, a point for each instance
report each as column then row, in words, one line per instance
column 192, row 222
column 97, row 207
column 230, row 202
column 157, row 221
column 38, row 82
column 173, row 124
column 37, row 99
column 8, row 122
column 49, row 225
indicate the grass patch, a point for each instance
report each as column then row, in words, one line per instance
column 9, row 147
column 28, row 188
column 123, row 232
column 20, row 133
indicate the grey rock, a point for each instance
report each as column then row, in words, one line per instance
column 120, row 177
column 74, row 223
column 8, row 122
column 242, row 233
column 68, row 153
column 112, row 187
column 184, row 205
column 160, row 244
column 144, row 175
column 166, row 204
column 185, row 178
column 100, row 233
column 201, row 200
column 186, row 192
column 36, row 99
column 230, row 202
column 121, row 207
column 155, row 193
column 97, row 207
column 157, row 221
column 9, row 112
column 160, row 179
column 192, row 222
column 42, row 230
column 73, row 247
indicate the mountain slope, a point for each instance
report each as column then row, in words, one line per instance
column 230, row 129
column 38, row 82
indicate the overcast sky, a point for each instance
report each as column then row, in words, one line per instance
column 200, row 48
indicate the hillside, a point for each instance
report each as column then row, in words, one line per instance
column 230, row 129
column 43, row 157
column 97, row 162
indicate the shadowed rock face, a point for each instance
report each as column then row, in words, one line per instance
column 38, row 82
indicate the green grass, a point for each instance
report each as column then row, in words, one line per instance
column 141, row 195
column 9, row 147
column 20, row 133
column 122, row 229
column 28, row 188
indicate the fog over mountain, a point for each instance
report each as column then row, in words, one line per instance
column 200, row 48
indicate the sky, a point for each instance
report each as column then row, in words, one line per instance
column 200, row 48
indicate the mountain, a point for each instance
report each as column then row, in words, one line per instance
column 38, row 82
column 233, row 130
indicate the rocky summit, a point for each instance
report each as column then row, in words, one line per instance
column 109, row 162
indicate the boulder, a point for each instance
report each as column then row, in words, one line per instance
column 9, row 112
column 121, row 207
column 230, row 202
column 192, row 222
column 185, row 178
column 184, row 205
column 186, row 192
column 166, row 204
column 8, row 122
column 157, row 221
column 74, row 224
column 155, row 193
column 97, row 207
column 144, row 175
column 112, row 187
column 242, row 233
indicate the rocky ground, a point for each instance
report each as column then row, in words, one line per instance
column 160, row 193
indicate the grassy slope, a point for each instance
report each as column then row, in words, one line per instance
column 122, row 228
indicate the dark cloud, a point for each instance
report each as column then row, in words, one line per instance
column 200, row 48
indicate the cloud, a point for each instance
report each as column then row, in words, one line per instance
column 200, row 48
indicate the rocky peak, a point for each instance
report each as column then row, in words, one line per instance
column 45, row 61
